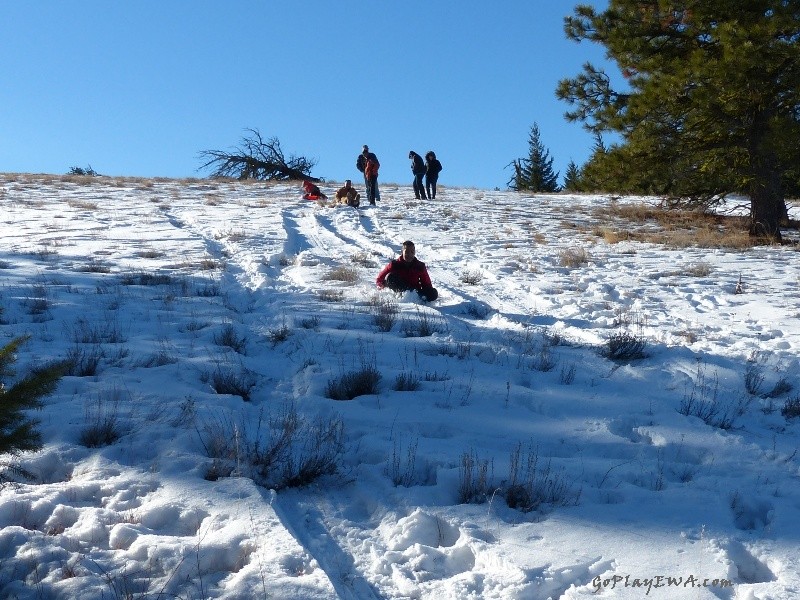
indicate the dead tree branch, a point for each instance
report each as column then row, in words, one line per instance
column 257, row 158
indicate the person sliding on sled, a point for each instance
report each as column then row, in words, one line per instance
column 348, row 195
column 406, row 273
column 312, row 192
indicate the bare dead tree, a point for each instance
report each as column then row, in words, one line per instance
column 257, row 158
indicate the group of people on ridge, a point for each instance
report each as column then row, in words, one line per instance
column 406, row 272
column 368, row 163
column 429, row 169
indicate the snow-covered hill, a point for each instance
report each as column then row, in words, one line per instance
column 673, row 475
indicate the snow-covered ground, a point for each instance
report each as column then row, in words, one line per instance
column 162, row 293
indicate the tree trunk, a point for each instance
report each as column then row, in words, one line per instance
column 767, row 208
column 767, row 203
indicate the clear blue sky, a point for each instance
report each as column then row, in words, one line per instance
column 140, row 88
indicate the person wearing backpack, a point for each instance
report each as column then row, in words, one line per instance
column 433, row 168
column 368, row 164
column 418, row 169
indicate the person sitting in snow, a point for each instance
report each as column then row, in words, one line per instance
column 348, row 195
column 406, row 273
column 312, row 192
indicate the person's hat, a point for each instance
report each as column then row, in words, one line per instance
column 365, row 147
column 347, row 181
column 408, row 243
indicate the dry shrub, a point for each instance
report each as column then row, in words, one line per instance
column 235, row 383
column 699, row 269
column 791, row 408
column 342, row 273
column 471, row 277
column 539, row 238
column 623, row 346
column 612, row 236
column 532, row 483
column 573, row 257
column 150, row 254
column 384, row 312
column 287, row 449
column 361, row 382
column 229, row 338
column 82, row 204
column 330, row 295
column 363, row 259
column 406, row 382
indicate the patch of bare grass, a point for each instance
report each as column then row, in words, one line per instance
column 676, row 228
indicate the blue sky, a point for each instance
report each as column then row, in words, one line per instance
column 140, row 88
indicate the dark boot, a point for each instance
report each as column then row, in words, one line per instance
column 429, row 294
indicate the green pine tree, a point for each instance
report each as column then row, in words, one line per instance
column 572, row 178
column 18, row 431
column 709, row 105
column 534, row 173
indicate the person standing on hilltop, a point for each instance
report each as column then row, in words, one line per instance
column 418, row 169
column 369, row 164
column 433, row 168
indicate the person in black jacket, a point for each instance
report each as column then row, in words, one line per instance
column 433, row 167
column 418, row 169
column 369, row 183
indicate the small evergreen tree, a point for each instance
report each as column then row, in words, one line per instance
column 18, row 431
column 572, row 178
column 534, row 173
column 88, row 172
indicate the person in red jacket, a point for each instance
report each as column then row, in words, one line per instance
column 369, row 164
column 406, row 273
column 312, row 192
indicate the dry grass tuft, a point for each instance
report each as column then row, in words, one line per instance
column 342, row 273
column 82, row 205
column 330, row 295
column 573, row 257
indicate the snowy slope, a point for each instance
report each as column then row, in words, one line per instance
column 161, row 290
